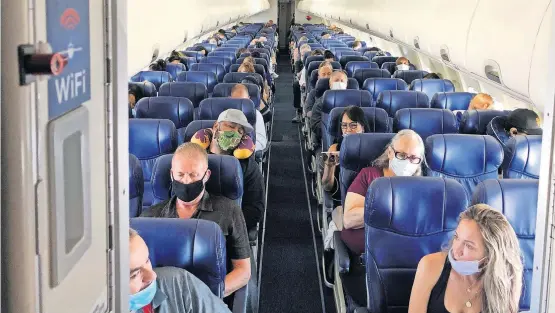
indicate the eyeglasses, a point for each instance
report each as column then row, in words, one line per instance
column 351, row 125
column 403, row 156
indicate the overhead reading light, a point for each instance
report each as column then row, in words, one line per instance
column 417, row 42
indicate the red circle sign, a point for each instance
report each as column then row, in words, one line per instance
column 57, row 64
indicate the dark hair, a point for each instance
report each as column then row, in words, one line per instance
column 301, row 29
column 316, row 52
column 374, row 49
column 259, row 45
column 234, row 26
column 431, row 76
column 241, row 51
column 255, row 54
column 159, row 65
column 199, row 48
column 174, row 56
column 328, row 55
column 253, row 79
column 323, row 34
column 136, row 91
column 221, row 31
column 356, row 114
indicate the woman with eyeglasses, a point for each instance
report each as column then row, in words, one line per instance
column 403, row 156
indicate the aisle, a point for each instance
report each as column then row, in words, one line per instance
column 290, row 277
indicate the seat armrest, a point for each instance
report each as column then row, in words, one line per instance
column 253, row 234
column 342, row 260
column 327, row 200
column 240, row 300
column 258, row 156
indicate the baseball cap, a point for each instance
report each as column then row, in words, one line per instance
column 524, row 120
column 237, row 117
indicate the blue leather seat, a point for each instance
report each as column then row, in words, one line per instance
column 234, row 78
column 179, row 110
column 149, row 139
column 224, row 90
column 391, row 67
column 382, row 59
column 468, row 159
column 136, row 186
column 218, row 60
column 357, row 152
column 209, row 46
column 377, row 119
column 451, row 100
column 476, row 121
column 313, row 58
column 324, row 85
column 195, row 92
column 196, row 55
column 347, row 57
column 376, row 85
column 155, row 77
column 393, row 100
column 361, row 75
column 517, row 199
column 432, row 86
column 226, row 178
column 175, row 69
column 419, row 214
column 352, row 66
column 195, row 245
column 225, row 54
column 148, row 88
column 259, row 69
column 259, row 61
column 227, row 49
column 209, row 79
column 188, row 61
column 211, row 108
column 426, row 122
column 370, row 54
column 523, row 157
column 315, row 64
column 410, row 76
column 217, row 69
column 195, row 126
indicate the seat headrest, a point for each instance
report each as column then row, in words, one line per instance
column 155, row 77
column 451, row 100
column 377, row 119
column 343, row 98
column 209, row 79
column 362, row 74
column 463, row 156
column 376, row 85
column 225, row 54
column 236, row 77
column 193, row 244
column 217, row 69
column 196, row 55
column 226, row 177
column 224, row 90
column 476, row 121
column 409, row 76
column 349, row 58
column 525, row 158
column 148, row 89
column 393, row 100
column 151, row 138
column 179, row 110
column 195, row 126
column 414, row 206
column 190, row 90
column 360, row 150
column 323, row 84
column 175, row 69
column 426, row 122
column 432, row 86
column 391, row 67
column 313, row 58
column 136, row 186
column 217, row 60
column 382, row 59
column 352, row 66
column 210, row 109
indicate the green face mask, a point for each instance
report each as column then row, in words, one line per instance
column 228, row 140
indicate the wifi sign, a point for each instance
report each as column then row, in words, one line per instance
column 70, row 19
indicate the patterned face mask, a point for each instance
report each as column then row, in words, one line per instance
column 228, row 140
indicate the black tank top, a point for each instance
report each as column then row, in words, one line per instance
column 436, row 303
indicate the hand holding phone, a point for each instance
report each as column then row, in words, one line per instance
column 331, row 158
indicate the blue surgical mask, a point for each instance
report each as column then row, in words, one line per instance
column 464, row 268
column 143, row 297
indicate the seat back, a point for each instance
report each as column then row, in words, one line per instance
column 226, row 177
column 259, row 69
column 209, row 79
column 393, row 100
column 346, row 58
column 236, row 77
column 312, row 58
column 179, row 110
column 217, row 69
column 224, row 90
column 376, row 85
column 175, row 69
column 432, row 86
column 468, row 159
column 136, row 186
column 218, row 60
column 195, row 92
column 417, row 213
column 377, row 119
column 382, row 59
column 426, row 122
column 195, row 126
column 324, row 84
column 148, row 88
column 195, row 245
column 196, row 55
column 150, row 139
column 224, row 54
column 410, row 76
column 391, row 67
column 357, row 152
column 157, row 78
column 451, row 100
column 517, row 199
column 211, row 108
column 352, row 66
column 476, row 121
column 362, row 74
column 524, row 158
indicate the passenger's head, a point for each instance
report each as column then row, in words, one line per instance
column 402, row 64
column 262, row 39
column 403, row 155
column 159, row 65
column 481, row 101
column 241, row 51
column 246, row 67
column 431, row 76
column 142, row 279
column 189, row 172
column 325, row 70
column 338, row 80
column 353, row 121
column 374, row 49
column 175, row 57
column 357, row 45
column 228, row 130
column 523, row 122
column 304, row 49
column 134, row 94
column 255, row 54
column 328, row 56
column 248, row 59
column 240, row 91
column 201, row 49
column 303, row 38
column 484, row 243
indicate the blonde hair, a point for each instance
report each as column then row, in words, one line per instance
column 481, row 101
column 382, row 161
column 191, row 149
column 503, row 271
column 305, row 48
column 402, row 60
column 248, row 59
column 246, row 67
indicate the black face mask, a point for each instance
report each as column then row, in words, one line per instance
column 188, row 192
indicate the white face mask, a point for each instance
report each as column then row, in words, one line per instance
column 402, row 167
column 403, row 67
column 338, row 86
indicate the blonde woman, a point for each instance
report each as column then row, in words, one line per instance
column 481, row 271
column 481, row 101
